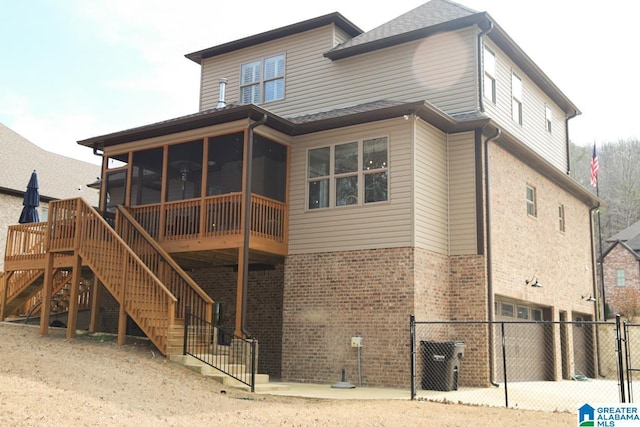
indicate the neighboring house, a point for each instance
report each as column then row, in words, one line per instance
column 621, row 263
column 418, row 168
column 59, row 177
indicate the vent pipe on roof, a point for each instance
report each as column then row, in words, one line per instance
column 221, row 102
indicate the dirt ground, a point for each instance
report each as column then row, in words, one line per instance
column 51, row 381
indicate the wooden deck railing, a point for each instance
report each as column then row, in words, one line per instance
column 17, row 281
column 26, row 242
column 183, row 287
column 73, row 223
column 213, row 216
column 60, row 296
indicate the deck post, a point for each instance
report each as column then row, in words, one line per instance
column 4, row 282
column 47, row 289
column 122, row 315
column 240, row 293
column 72, row 320
column 95, row 304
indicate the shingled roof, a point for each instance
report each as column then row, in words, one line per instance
column 430, row 14
column 630, row 235
column 59, row 177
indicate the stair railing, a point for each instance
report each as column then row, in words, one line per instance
column 235, row 356
column 75, row 224
column 181, row 285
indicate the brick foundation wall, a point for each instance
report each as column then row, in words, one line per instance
column 331, row 297
column 264, row 309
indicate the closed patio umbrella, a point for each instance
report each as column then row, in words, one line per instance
column 31, row 201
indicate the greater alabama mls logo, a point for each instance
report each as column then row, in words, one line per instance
column 615, row 415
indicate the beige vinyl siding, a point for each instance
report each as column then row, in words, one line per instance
column 462, row 194
column 440, row 69
column 431, row 198
column 303, row 54
column 378, row 225
column 552, row 146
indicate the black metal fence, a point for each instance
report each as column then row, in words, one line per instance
column 227, row 353
column 544, row 365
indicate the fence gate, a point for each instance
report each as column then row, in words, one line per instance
column 631, row 359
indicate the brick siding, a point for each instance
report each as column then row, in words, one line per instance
column 619, row 257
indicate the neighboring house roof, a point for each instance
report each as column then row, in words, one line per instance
column 630, row 233
column 59, row 177
column 625, row 245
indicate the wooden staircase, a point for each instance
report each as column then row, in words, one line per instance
column 149, row 286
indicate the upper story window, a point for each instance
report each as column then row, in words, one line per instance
column 354, row 173
column 548, row 116
column 516, row 98
column 620, row 277
column 262, row 80
column 489, row 75
column 532, row 209
column 561, row 219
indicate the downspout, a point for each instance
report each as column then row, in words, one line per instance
column 566, row 133
column 490, row 297
column 247, row 223
column 594, row 278
column 480, row 74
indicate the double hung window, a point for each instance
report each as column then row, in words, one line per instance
column 489, row 75
column 354, row 173
column 262, row 81
column 516, row 98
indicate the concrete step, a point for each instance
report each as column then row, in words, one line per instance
column 196, row 365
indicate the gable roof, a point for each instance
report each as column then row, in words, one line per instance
column 445, row 15
column 625, row 246
column 629, row 234
column 59, row 177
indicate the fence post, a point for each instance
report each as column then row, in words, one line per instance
column 412, row 329
column 187, row 314
column 504, row 366
column 620, row 364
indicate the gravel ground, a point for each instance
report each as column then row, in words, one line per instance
column 51, row 381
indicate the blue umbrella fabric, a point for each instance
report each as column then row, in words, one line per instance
column 31, row 201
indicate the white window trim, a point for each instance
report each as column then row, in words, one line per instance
column 491, row 75
column 517, row 100
column 533, row 203
column 548, row 118
column 263, row 81
column 332, row 176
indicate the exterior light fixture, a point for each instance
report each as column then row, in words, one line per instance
column 589, row 298
column 533, row 282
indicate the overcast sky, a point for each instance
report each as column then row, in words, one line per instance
column 74, row 69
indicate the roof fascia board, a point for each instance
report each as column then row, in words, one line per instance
column 522, row 60
column 332, row 18
column 422, row 109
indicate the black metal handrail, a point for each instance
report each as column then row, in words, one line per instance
column 234, row 356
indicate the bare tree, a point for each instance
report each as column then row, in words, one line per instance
column 618, row 181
